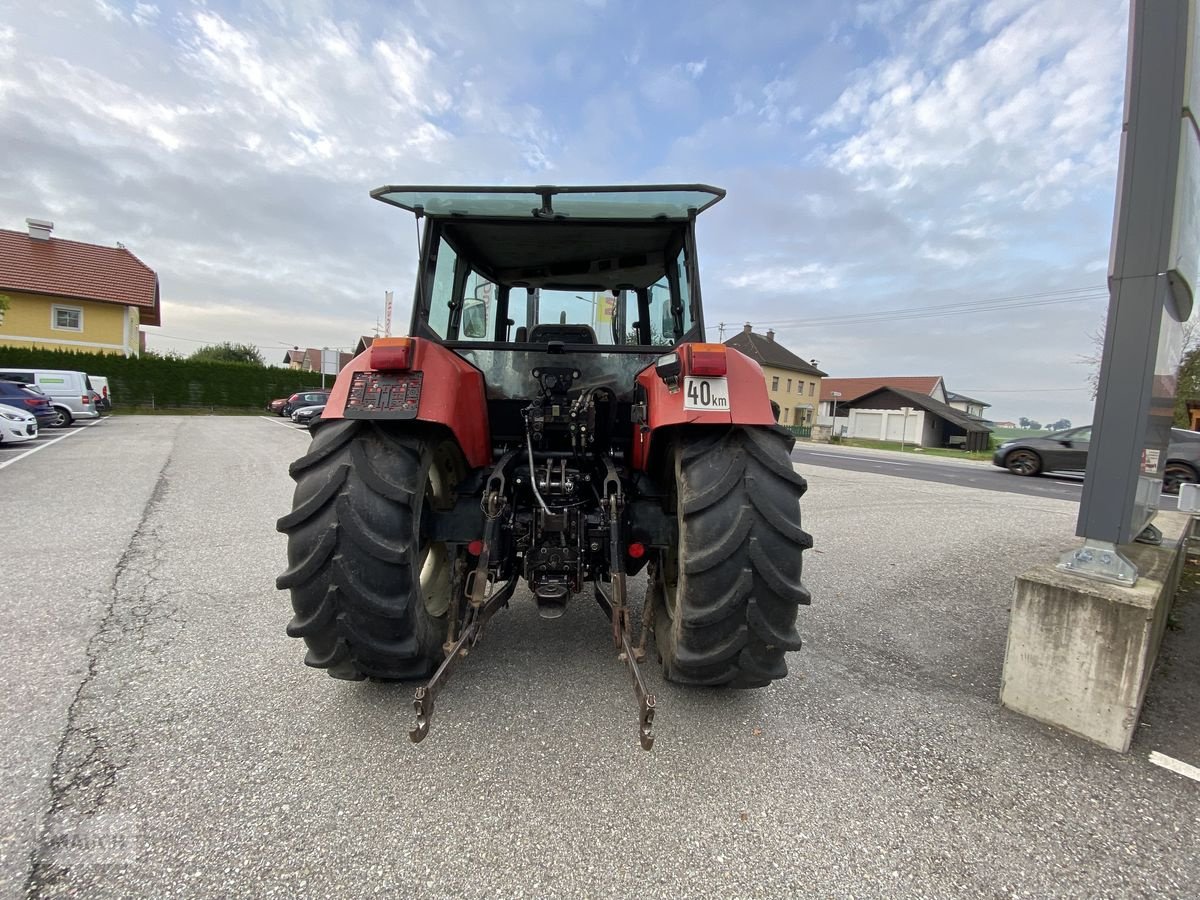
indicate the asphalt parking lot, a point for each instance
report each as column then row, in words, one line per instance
column 11, row 450
column 165, row 740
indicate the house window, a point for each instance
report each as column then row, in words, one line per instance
column 812, row 388
column 66, row 318
column 789, row 390
column 775, row 383
column 785, row 415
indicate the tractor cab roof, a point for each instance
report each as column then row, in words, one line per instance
column 669, row 202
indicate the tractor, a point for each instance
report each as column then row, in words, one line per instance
column 555, row 416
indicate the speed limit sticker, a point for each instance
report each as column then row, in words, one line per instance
column 706, row 393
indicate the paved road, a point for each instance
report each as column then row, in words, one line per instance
column 981, row 475
column 163, row 738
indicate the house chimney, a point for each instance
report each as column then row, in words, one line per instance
column 747, row 328
column 39, row 229
column 770, row 334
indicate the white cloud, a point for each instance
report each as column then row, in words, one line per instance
column 406, row 62
column 785, row 279
column 1045, row 81
column 145, row 13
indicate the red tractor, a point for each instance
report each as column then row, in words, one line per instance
column 555, row 416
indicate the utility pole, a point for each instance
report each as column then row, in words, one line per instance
column 721, row 332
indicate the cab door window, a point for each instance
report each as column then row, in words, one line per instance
column 441, row 293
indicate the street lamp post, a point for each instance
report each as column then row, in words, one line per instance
column 324, row 351
column 833, row 427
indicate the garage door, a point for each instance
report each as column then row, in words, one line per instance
column 867, row 425
column 895, row 427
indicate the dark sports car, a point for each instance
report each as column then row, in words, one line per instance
column 1067, row 451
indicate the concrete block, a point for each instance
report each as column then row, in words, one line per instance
column 1080, row 652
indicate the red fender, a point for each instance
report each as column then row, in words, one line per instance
column 748, row 402
column 451, row 394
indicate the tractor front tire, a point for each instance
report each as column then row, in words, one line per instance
column 370, row 593
column 727, row 596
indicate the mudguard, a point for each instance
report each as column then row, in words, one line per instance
column 748, row 403
column 447, row 390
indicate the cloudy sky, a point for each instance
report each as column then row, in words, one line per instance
column 915, row 188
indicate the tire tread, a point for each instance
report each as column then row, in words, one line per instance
column 741, row 547
column 353, row 568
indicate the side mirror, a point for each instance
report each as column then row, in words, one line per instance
column 474, row 319
column 668, row 322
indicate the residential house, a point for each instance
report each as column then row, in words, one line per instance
column 915, row 414
column 309, row 360
column 68, row 295
column 894, row 414
column 966, row 404
column 837, row 392
column 792, row 382
column 364, row 342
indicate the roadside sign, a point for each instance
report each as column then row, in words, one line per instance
column 1153, row 265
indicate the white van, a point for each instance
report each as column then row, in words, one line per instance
column 71, row 393
column 100, row 386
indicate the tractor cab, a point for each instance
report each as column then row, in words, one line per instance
column 597, row 268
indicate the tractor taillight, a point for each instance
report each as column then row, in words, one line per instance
column 391, row 354
column 706, row 359
column 475, row 547
column 636, row 550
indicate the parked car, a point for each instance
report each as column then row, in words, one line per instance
column 303, row 398
column 100, row 386
column 27, row 399
column 17, row 427
column 306, row 415
column 70, row 392
column 1067, row 451
column 276, row 405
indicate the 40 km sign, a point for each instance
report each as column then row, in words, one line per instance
column 706, row 393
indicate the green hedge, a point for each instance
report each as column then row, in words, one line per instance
column 158, row 382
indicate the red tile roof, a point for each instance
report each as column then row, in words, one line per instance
column 80, row 271
column 853, row 388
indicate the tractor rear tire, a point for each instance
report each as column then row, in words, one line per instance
column 370, row 593
column 727, row 595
